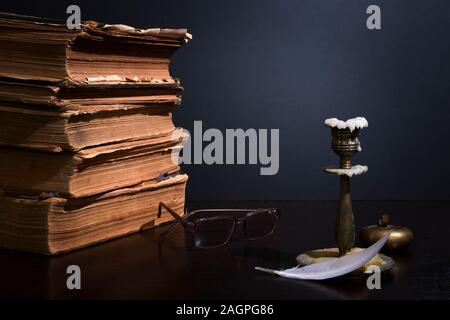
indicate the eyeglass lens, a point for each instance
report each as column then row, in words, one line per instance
column 213, row 232
column 260, row 224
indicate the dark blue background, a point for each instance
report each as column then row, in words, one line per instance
column 291, row 64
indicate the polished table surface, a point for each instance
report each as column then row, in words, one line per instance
column 140, row 267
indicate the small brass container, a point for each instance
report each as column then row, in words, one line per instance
column 400, row 236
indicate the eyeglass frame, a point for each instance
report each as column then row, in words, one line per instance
column 191, row 226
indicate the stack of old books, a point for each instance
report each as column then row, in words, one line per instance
column 86, row 132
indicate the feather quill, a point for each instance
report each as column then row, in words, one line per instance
column 333, row 267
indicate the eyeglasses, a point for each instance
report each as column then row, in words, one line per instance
column 216, row 231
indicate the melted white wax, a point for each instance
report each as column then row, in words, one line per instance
column 352, row 124
column 353, row 171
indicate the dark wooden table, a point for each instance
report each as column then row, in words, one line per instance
column 138, row 267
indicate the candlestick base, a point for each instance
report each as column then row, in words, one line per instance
column 321, row 255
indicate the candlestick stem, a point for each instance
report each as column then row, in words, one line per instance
column 345, row 227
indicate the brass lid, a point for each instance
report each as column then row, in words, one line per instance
column 399, row 238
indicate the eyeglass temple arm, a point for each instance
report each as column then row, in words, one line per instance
column 177, row 217
column 232, row 210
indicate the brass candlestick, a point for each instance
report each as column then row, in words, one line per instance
column 345, row 144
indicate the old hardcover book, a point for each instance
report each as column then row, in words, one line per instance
column 40, row 49
column 56, row 224
column 89, row 171
column 54, row 130
column 82, row 96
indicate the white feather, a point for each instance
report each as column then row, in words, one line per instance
column 333, row 267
